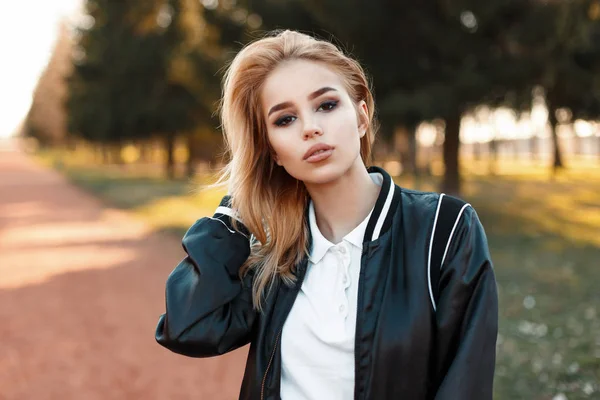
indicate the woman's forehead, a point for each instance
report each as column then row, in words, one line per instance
column 296, row 80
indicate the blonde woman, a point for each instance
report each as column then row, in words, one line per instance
column 345, row 285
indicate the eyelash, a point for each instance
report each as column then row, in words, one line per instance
column 332, row 103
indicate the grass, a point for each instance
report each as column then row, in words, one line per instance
column 544, row 237
column 545, row 242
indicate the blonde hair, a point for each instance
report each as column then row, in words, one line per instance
column 269, row 201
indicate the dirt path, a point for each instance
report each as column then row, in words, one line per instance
column 81, row 290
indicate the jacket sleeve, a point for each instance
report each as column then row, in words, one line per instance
column 209, row 309
column 467, row 315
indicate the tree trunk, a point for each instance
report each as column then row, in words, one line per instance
column 116, row 152
column 411, row 149
column 384, row 143
column 534, row 145
column 557, row 163
column 170, row 152
column 476, row 151
column 145, row 152
column 98, row 159
column 413, row 153
column 105, row 154
column 451, row 181
column 493, row 156
column 190, row 166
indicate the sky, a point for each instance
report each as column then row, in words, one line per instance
column 28, row 31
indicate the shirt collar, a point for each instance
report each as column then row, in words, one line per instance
column 320, row 244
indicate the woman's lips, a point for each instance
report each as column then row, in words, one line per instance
column 320, row 156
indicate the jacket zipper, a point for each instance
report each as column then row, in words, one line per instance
column 358, row 307
column 264, row 380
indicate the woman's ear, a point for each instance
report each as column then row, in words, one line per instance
column 363, row 118
column 275, row 158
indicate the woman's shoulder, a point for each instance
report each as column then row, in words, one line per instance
column 418, row 200
column 428, row 199
column 431, row 206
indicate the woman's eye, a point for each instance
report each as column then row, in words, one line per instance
column 327, row 106
column 283, row 121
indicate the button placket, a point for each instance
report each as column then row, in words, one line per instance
column 345, row 279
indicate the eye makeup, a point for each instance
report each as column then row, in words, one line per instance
column 326, row 106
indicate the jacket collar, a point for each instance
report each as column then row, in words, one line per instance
column 375, row 225
column 385, row 207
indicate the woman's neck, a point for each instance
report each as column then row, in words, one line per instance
column 342, row 205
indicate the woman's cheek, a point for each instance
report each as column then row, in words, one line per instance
column 283, row 151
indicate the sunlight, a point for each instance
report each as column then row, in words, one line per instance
column 37, row 251
column 426, row 134
column 43, row 263
column 584, row 128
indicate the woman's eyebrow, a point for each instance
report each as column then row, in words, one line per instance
column 319, row 92
column 311, row 96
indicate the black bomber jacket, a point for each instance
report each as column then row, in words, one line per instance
column 409, row 344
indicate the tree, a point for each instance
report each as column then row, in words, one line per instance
column 46, row 118
column 429, row 59
column 135, row 74
column 561, row 41
column 116, row 66
column 177, row 106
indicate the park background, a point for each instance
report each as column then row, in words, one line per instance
column 106, row 144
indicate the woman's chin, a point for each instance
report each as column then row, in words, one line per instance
column 322, row 176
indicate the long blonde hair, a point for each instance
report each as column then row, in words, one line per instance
column 269, row 201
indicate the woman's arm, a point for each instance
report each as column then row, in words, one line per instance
column 209, row 309
column 467, row 315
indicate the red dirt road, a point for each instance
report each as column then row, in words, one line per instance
column 81, row 290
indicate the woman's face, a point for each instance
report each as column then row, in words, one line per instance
column 305, row 103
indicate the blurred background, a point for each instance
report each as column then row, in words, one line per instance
column 108, row 126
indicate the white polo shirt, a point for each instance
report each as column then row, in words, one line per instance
column 317, row 342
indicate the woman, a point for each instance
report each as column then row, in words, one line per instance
column 322, row 265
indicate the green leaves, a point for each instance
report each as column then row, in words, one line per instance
column 139, row 75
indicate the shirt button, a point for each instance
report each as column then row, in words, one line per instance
column 343, row 250
column 345, row 280
column 342, row 308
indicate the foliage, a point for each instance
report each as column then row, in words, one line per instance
column 154, row 67
column 135, row 70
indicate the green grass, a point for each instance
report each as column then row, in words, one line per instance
column 545, row 243
column 544, row 238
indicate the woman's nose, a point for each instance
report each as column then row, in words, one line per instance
column 311, row 129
